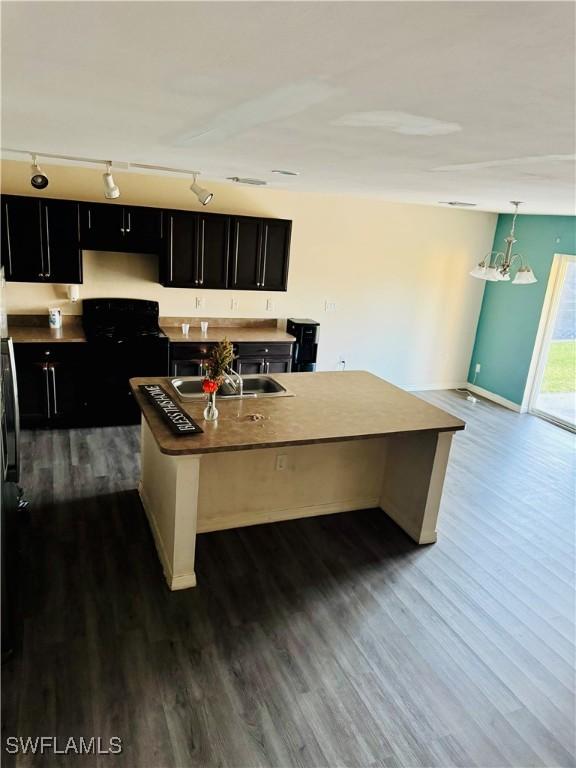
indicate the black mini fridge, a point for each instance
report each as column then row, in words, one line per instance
column 305, row 348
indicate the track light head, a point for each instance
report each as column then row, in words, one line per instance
column 111, row 191
column 203, row 195
column 38, row 179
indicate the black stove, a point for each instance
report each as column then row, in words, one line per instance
column 125, row 342
column 120, row 319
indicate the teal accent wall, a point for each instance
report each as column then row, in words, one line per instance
column 510, row 314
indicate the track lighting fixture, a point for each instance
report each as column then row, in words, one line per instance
column 38, row 179
column 111, row 191
column 203, row 195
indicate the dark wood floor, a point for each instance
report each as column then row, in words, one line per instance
column 331, row 641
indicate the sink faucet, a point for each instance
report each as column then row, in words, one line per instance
column 235, row 380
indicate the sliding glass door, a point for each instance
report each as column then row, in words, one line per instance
column 554, row 393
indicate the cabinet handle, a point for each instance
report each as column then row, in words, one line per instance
column 89, row 219
column 47, row 274
column 171, row 263
column 122, row 228
column 236, row 252
column 42, row 274
column 267, row 369
column 53, row 371
column 202, row 252
column 263, row 275
column 129, row 222
column 45, row 369
column 8, row 239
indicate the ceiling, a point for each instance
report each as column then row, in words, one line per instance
column 408, row 101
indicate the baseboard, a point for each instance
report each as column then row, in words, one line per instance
column 420, row 537
column 494, row 397
column 183, row 581
column 437, row 386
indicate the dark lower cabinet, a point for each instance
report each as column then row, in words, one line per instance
column 263, row 365
column 41, row 240
column 51, row 384
column 190, row 358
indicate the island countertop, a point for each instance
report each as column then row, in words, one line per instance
column 326, row 407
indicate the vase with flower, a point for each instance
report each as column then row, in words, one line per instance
column 218, row 363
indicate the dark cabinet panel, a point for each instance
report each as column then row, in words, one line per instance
column 213, row 251
column 250, row 365
column 50, row 384
column 40, row 240
column 22, row 255
column 102, row 227
column 180, row 267
column 275, row 254
column 113, row 227
column 280, row 365
column 196, row 250
column 143, row 229
column 246, row 241
column 189, row 359
column 259, row 254
column 63, row 257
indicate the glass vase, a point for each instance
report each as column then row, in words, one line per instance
column 211, row 412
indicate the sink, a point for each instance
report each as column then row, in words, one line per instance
column 190, row 388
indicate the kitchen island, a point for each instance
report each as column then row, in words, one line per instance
column 344, row 441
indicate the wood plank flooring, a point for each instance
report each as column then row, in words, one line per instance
column 332, row 641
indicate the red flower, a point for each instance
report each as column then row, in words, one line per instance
column 209, row 386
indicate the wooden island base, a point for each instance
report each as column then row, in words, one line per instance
column 184, row 495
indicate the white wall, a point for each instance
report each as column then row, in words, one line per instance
column 406, row 308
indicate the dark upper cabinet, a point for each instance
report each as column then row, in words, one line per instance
column 113, row 227
column 245, row 253
column 196, row 250
column 143, row 229
column 213, row 250
column 275, row 252
column 40, row 240
column 179, row 267
column 259, row 253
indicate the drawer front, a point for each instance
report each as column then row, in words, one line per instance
column 263, row 349
column 61, row 351
column 189, row 351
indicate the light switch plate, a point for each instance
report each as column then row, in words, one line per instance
column 329, row 306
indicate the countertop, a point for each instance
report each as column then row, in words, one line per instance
column 326, row 407
column 233, row 334
column 72, row 331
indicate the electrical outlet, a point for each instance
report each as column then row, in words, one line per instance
column 200, row 302
column 477, row 368
column 341, row 364
column 281, row 462
column 329, row 306
column 269, row 305
column 233, row 304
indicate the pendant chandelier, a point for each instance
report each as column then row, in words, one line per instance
column 496, row 265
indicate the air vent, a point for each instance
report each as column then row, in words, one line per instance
column 286, row 173
column 457, row 203
column 241, row 180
